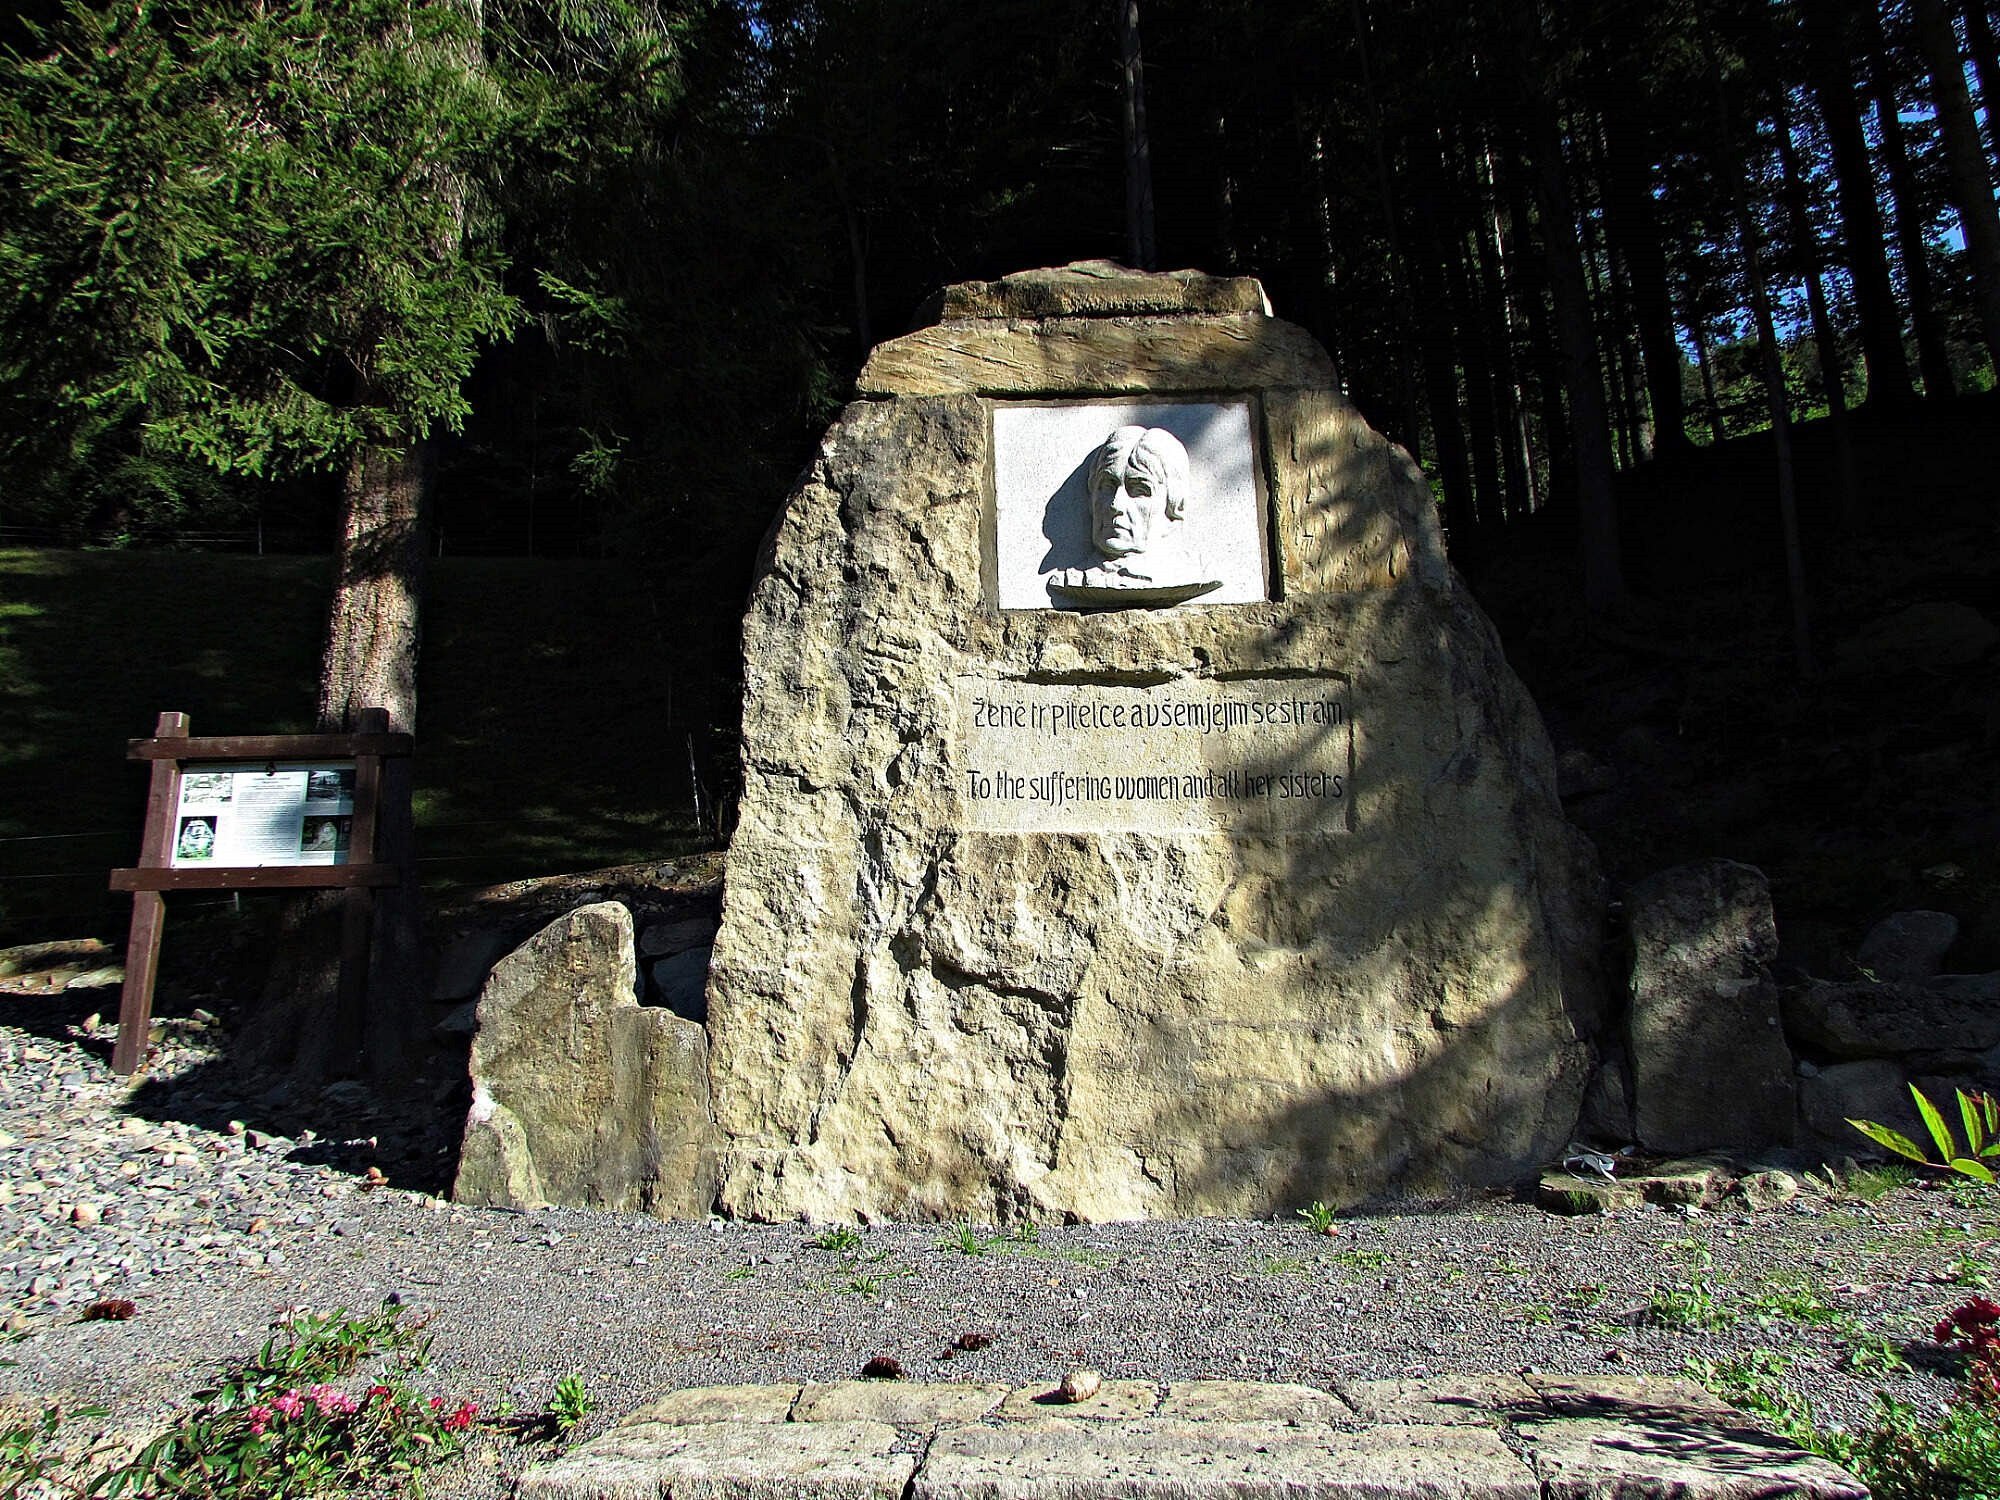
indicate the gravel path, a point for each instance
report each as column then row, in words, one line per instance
column 212, row 1228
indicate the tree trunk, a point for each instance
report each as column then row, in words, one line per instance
column 1971, row 185
column 1634, row 229
column 1860, row 221
column 1496, row 259
column 373, row 629
column 1933, row 353
column 1771, row 367
column 1716, row 432
column 1138, row 149
column 1590, row 424
column 1399, row 270
column 1824, row 334
column 1986, row 63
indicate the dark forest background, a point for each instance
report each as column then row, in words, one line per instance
column 1646, row 285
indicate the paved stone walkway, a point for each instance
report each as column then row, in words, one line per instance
column 1482, row 1437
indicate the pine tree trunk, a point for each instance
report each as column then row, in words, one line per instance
column 1138, row 149
column 1860, row 221
column 1972, row 185
column 1933, row 353
column 1634, row 228
column 1497, row 307
column 373, row 631
column 1825, row 337
column 1716, row 432
column 1986, row 63
column 1597, row 519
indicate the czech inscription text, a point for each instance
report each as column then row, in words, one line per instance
column 1270, row 755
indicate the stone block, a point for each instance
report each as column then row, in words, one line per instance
column 899, row 1403
column 1907, row 945
column 718, row 1403
column 1876, row 1090
column 1248, row 1401
column 728, row 1461
column 1109, row 356
column 1710, row 1067
column 1115, row 1401
column 1892, row 1020
column 1606, row 1459
column 1447, row 1401
column 1159, row 1459
column 1096, row 289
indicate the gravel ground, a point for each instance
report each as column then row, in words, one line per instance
column 165, row 1197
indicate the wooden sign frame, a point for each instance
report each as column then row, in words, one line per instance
column 172, row 747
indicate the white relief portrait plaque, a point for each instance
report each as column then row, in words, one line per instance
column 1126, row 505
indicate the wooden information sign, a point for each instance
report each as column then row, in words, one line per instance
column 264, row 812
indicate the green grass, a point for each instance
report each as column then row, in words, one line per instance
column 552, row 723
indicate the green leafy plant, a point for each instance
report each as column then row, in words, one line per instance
column 1979, row 1114
column 1794, row 1300
column 1690, row 1303
column 842, row 1239
column 965, row 1239
column 1755, row 1383
column 1363, row 1260
column 1874, row 1354
column 570, row 1403
column 739, row 1273
column 294, row 1419
column 1280, row 1265
column 29, row 1463
column 1318, row 1217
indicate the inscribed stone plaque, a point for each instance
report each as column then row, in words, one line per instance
column 1266, row 755
column 1044, row 458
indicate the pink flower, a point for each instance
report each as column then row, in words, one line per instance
column 260, row 1418
column 290, row 1404
column 436, row 1402
column 461, row 1419
column 333, row 1402
column 379, row 1393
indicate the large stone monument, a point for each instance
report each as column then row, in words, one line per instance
column 1138, row 816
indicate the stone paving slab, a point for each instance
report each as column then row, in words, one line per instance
column 901, row 1403
column 1482, row 1437
column 1115, row 1401
column 729, row 1461
column 1250, row 1401
column 1160, row 1459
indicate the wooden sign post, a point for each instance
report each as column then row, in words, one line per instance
column 171, row 854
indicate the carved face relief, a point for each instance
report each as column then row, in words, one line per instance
column 1138, row 490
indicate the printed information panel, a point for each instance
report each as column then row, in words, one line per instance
column 1260, row 756
column 265, row 813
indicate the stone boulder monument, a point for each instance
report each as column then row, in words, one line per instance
column 1138, row 818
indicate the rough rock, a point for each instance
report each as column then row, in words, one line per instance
column 1936, row 633
column 1115, row 1401
column 581, row 1096
column 466, row 961
column 1875, row 1090
column 1907, row 945
column 915, row 1018
column 665, row 939
column 1767, row 1189
column 1607, row 1103
column 1893, row 1020
column 1572, row 1193
column 681, row 982
column 68, row 953
column 1710, row 1067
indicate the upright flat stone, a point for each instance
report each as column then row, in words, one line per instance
column 1139, row 818
column 580, row 1095
column 1710, row 1066
column 899, row 1403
